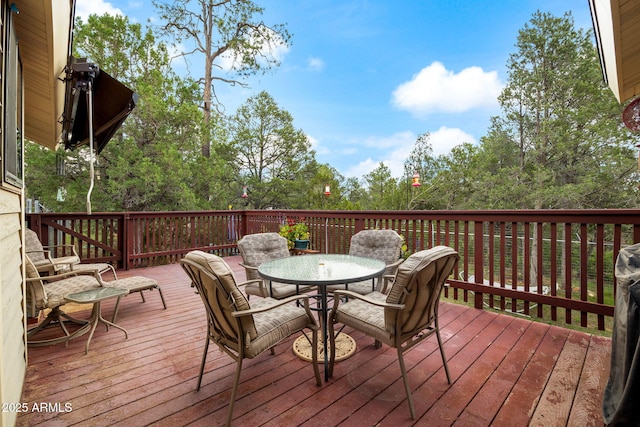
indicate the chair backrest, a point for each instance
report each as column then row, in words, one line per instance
column 216, row 284
column 418, row 285
column 261, row 247
column 36, row 293
column 33, row 246
column 384, row 245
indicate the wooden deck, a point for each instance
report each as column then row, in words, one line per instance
column 506, row 371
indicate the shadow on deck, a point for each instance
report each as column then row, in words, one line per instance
column 505, row 371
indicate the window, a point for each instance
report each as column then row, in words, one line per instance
column 11, row 108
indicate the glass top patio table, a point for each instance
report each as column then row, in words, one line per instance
column 322, row 270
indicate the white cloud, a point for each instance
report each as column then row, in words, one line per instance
column 436, row 89
column 84, row 8
column 444, row 139
column 395, row 149
column 315, row 64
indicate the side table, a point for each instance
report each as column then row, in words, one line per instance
column 96, row 296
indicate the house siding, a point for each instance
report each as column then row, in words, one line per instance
column 13, row 352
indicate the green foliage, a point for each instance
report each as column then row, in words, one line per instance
column 270, row 153
column 293, row 231
column 557, row 143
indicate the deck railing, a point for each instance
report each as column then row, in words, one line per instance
column 556, row 265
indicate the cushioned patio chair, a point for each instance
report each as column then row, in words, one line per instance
column 404, row 317
column 42, row 258
column 240, row 329
column 261, row 247
column 45, row 262
column 385, row 245
column 49, row 293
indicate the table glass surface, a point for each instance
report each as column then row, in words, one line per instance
column 321, row 269
column 97, row 294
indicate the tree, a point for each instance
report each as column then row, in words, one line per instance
column 270, row 153
column 161, row 131
column 382, row 188
column 225, row 31
column 422, row 162
column 561, row 124
column 560, row 121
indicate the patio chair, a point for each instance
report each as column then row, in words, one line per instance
column 404, row 317
column 45, row 262
column 261, row 247
column 385, row 245
column 49, row 293
column 240, row 329
column 42, row 258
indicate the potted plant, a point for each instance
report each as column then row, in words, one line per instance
column 296, row 233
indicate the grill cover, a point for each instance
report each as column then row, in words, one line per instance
column 620, row 404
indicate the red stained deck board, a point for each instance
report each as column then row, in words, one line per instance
column 151, row 377
column 586, row 410
column 521, row 402
column 557, row 398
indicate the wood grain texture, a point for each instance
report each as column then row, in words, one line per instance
column 505, row 371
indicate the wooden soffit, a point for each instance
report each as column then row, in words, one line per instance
column 43, row 28
column 617, row 29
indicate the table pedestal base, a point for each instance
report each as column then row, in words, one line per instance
column 345, row 347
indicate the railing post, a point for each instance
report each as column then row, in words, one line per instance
column 125, row 240
column 244, row 223
column 478, row 260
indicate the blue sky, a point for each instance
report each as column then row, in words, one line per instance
column 364, row 78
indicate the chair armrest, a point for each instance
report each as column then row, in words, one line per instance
column 351, row 294
column 46, row 253
column 248, row 282
column 248, row 267
column 396, row 263
column 72, row 247
column 304, row 298
column 66, row 275
column 271, row 307
column 385, row 282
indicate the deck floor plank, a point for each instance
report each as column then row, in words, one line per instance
column 505, row 371
column 558, row 396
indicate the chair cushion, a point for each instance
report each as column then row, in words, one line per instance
column 364, row 287
column 274, row 325
column 133, row 284
column 58, row 290
column 384, row 245
column 258, row 248
column 365, row 317
column 235, row 302
column 278, row 290
column 418, row 284
column 33, row 246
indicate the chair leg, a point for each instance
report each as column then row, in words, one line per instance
column 407, row 389
column 142, row 296
column 234, row 391
column 164, row 304
column 444, row 358
column 204, row 359
column 332, row 346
